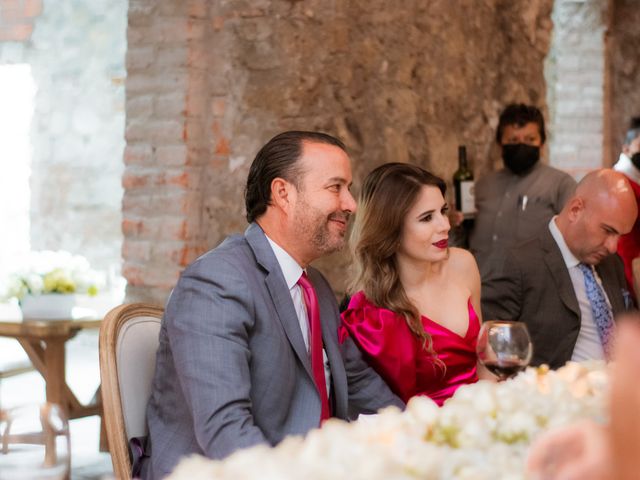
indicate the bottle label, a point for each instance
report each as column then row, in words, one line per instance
column 467, row 198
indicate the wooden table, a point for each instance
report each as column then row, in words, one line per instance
column 44, row 342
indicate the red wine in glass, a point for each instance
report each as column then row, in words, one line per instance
column 504, row 347
column 504, row 369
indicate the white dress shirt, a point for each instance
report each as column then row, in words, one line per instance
column 624, row 165
column 292, row 272
column 588, row 345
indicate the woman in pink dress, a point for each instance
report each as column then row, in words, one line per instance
column 415, row 313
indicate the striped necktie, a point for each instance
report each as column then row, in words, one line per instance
column 602, row 315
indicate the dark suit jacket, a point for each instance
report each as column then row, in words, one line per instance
column 531, row 284
column 232, row 369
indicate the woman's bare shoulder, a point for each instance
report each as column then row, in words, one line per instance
column 461, row 258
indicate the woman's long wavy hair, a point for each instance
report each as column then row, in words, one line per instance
column 387, row 195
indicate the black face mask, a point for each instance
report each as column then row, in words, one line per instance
column 635, row 159
column 520, row 157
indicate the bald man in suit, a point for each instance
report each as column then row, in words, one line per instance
column 543, row 282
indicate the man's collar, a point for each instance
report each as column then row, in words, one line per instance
column 290, row 268
column 569, row 258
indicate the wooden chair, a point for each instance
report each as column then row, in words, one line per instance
column 128, row 344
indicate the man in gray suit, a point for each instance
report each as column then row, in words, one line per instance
column 549, row 282
column 233, row 368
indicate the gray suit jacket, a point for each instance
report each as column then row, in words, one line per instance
column 531, row 283
column 232, row 369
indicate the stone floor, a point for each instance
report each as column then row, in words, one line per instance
column 83, row 376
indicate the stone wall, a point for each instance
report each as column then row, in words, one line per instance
column 575, row 73
column 75, row 50
column 209, row 82
column 77, row 59
column 624, row 55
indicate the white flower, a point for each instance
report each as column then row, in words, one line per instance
column 51, row 272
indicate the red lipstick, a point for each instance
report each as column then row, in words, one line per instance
column 442, row 243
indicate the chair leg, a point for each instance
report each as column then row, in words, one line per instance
column 104, row 442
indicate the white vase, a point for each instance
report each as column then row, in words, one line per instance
column 48, row 306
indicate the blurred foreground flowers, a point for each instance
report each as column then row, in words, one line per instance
column 482, row 433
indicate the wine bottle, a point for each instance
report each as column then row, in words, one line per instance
column 463, row 185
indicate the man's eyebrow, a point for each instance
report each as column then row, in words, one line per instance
column 337, row 179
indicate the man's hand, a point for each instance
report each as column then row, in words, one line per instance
column 578, row 452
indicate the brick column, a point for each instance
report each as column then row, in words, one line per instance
column 166, row 144
column 576, row 76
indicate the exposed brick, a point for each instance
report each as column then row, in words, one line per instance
column 172, row 56
column 12, row 13
column 198, row 8
column 168, row 228
column 135, row 179
column 171, row 104
column 217, row 22
column 195, row 106
column 229, row 75
column 218, row 106
column 169, row 203
column 137, row 250
column 172, row 155
column 140, row 107
column 199, row 56
column 157, row 132
column 156, row 276
column 17, row 32
column 222, row 147
column 137, row 154
column 32, row 8
column 176, row 30
column 157, row 82
column 139, row 58
column 132, row 227
column 181, row 254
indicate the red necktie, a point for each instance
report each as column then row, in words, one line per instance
column 315, row 340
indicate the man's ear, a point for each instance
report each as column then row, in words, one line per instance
column 282, row 193
column 576, row 207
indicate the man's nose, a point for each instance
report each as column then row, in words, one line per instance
column 348, row 202
column 611, row 243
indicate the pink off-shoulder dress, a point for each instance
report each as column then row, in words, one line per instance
column 399, row 358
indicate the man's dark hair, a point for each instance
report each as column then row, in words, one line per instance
column 520, row 114
column 278, row 159
column 634, row 130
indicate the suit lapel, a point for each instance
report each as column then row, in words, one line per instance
column 558, row 269
column 277, row 288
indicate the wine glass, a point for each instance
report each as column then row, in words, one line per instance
column 34, row 443
column 504, row 347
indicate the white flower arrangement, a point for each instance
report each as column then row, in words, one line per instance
column 483, row 432
column 52, row 272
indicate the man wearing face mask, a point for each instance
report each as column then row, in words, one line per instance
column 515, row 203
column 629, row 165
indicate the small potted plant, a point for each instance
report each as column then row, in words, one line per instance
column 46, row 284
